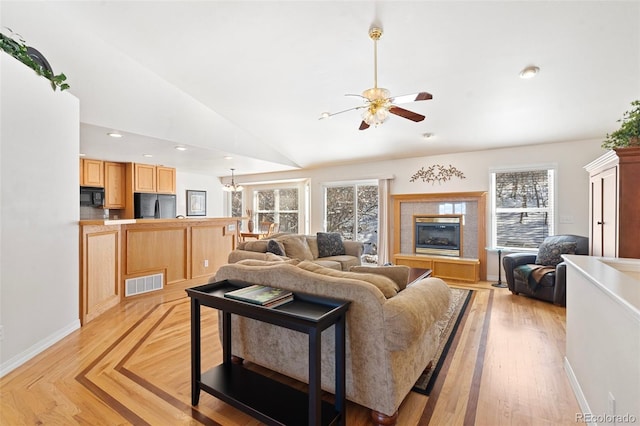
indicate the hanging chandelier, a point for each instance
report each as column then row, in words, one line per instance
column 232, row 187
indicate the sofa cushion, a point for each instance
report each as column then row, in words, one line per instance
column 329, row 244
column 398, row 273
column 384, row 284
column 295, row 246
column 550, row 251
column 275, row 247
column 312, row 242
column 257, row 262
column 259, row 246
column 328, row 264
column 345, row 261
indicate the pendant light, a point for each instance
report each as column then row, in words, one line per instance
column 232, row 187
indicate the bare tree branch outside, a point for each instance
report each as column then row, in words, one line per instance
column 524, row 207
column 352, row 211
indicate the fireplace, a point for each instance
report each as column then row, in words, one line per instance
column 438, row 234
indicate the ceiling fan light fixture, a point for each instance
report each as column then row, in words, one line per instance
column 375, row 116
column 232, row 187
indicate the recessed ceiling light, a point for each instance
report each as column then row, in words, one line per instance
column 147, row 155
column 114, row 134
column 228, row 157
column 82, row 154
column 181, row 148
column 529, row 72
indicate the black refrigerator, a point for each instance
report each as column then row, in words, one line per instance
column 154, row 206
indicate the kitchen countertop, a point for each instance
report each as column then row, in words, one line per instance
column 107, row 222
column 617, row 277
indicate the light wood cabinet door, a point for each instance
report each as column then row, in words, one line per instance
column 100, row 270
column 92, row 173
column 114, row 185
column 166, row 180
column 144, row 177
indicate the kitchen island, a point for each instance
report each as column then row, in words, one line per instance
column 122, row 258
column 603, row 337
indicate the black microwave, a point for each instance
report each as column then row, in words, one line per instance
column 90, row 196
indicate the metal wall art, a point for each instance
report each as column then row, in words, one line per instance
column 437, row 173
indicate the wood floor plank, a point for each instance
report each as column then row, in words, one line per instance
column 132, row 366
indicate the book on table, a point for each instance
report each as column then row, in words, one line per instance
column 261, row 295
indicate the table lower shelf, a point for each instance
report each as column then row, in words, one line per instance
column 268, row 400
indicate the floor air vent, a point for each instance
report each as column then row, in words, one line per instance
column 143, row 284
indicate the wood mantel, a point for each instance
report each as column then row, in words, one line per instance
column 452, row 197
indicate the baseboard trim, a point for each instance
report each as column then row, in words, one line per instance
column 15, row 362
column 577, row 390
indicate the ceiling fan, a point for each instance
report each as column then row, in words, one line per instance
column 378, row 102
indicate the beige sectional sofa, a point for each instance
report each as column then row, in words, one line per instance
column 391, row 330
column 300, row 247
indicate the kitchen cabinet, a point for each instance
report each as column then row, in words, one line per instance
column 114, row 185
column 165, row 180
column 91, row 172
column 144, row 178
column 614, row 202
column 158, row 179
column 99, row 270
column 116, row 254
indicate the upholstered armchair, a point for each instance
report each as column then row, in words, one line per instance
column 543, row 274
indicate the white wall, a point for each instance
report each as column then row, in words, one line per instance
column 198, row 182
column 573, row 181
column 39, row 182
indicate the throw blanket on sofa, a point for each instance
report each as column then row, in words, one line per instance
column 535, row 272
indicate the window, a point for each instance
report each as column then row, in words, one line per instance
column 352, row 211
column 236, row 204
column 279, row 206
column 522, row 207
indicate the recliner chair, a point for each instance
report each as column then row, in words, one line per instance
column 552, row 286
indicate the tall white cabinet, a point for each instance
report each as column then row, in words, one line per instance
column 614, row 201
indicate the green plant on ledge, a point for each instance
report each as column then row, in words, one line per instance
column 629, row 132
column 16, row 47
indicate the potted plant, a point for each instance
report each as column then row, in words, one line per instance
column 16, row 47
column 629, row 132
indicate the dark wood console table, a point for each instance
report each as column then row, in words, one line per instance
column 268, row 400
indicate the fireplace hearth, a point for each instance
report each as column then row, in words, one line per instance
column 438, row 235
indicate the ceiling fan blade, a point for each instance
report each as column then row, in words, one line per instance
column 421, row 96
column 363, row 126
column 327, row 115
column 413, row 116
column 356, row 95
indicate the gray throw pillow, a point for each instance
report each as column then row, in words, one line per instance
column 275, row 247
column 329, row 244
column 550, row 252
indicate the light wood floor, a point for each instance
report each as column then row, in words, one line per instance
column 132, row 366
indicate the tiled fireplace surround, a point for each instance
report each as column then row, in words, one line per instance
column 406, row 206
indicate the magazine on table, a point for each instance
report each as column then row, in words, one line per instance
column 261, row 295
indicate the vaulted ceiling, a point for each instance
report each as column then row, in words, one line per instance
column 250, row 79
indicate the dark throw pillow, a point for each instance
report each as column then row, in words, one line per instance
column 329, row 244
column 549, row 253
column 275, row 247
